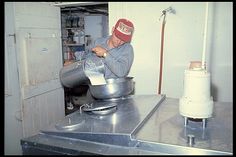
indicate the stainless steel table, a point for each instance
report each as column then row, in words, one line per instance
column 142, row 124
column 166, row 127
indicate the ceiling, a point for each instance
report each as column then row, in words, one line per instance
column 84, row 8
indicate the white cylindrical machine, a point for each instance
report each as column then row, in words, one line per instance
column 196, row 101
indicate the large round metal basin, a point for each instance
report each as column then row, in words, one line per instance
column 114, row 88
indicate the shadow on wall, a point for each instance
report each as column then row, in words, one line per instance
column 214, row 89
column 212, row 38
column 133, row 92
column 214, row 92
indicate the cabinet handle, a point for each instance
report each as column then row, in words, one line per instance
column 18, row 115
column 10, row 35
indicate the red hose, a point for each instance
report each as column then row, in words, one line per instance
column 161, row 54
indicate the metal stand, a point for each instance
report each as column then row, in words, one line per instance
column 204, row 122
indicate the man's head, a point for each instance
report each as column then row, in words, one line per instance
column 123, row 31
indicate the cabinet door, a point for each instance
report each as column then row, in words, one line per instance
column 12, row 107
column 39, row 53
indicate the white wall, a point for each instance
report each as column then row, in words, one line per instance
column 183, row 43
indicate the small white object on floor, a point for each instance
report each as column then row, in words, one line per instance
column 70, row 106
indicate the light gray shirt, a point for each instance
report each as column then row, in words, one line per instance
column 118, row 60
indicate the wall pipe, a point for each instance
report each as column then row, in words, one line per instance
column 205, row 38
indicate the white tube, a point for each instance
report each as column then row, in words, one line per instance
column 205, row 38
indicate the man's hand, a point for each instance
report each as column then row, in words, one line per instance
column 100, row 51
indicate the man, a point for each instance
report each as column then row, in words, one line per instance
column 115, row 51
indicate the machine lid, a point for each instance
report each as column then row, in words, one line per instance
column 105, row 111
column 98, row 106
column 69, row 123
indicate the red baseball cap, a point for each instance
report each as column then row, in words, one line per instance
column 124, row 29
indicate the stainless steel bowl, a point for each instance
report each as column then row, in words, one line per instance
column 114, row 88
